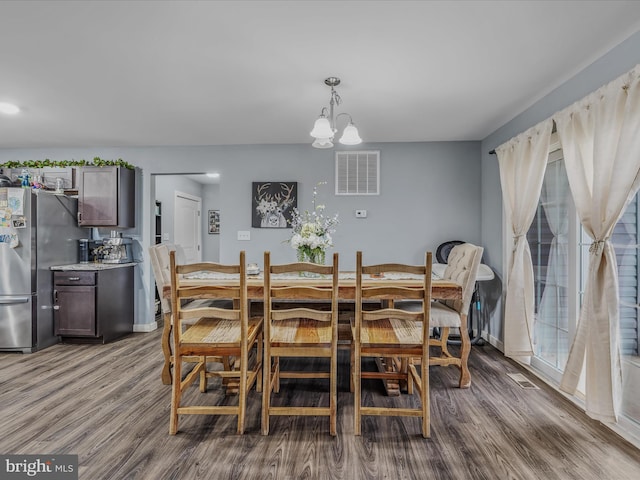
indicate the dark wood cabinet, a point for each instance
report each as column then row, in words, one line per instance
column 93, row 306
column 106, row 197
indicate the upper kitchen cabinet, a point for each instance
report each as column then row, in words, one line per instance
column 106, row 197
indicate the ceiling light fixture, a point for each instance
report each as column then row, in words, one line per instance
column 8, row 108
column 325, row 127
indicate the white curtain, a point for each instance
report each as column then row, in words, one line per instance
column 600, row 137
column 522, row 162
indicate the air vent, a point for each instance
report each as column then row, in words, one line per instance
column 358, row 173
column 523, row 381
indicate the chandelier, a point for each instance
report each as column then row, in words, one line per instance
column 325, row 127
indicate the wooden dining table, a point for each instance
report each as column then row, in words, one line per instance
column 440, row 290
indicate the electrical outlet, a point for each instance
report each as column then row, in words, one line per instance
column 244, row 235
column 361, row 214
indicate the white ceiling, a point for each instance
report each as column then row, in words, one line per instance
column 143, row 73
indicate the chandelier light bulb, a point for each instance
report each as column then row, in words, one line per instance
column 322, row 128
column 322, row 143
column 350, row 135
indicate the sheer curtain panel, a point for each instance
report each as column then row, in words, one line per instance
column 522, row 161
column 555, row 199
column 600, row 138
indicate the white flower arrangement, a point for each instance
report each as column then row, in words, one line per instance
column 312, row 231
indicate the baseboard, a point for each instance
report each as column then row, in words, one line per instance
column 627, row 429
column 145, row 327
column 493, row 341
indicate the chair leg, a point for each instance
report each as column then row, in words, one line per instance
column 444, row 336
column 259, row 360
column 351, row 365
column 333, row 387
column 357, row 392
column 266, row 389
column 203, row 375
column 276, row 374
column 465, row 350
column 425, row 397
column 404, row 368
column 242, row 394
column 166, row 349
column 176, row 393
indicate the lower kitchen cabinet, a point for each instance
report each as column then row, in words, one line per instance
column 93, row 306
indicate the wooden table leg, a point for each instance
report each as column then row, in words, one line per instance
column 392, row 387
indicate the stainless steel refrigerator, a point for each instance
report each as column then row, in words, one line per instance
column 49, row 237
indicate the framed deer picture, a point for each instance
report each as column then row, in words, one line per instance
column 272, row 204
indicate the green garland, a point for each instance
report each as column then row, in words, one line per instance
column 97, row 162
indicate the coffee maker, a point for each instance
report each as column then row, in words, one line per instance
column 116, row 249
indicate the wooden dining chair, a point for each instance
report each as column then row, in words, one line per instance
column 159, row 258
column 310, row 330
column 385, row 331
column 225, row 330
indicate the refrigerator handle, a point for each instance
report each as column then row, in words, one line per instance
column 12, row 300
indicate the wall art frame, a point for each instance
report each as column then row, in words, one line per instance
column 272, row 204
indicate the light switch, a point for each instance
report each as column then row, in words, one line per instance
column 244, row 235
column 361, row 214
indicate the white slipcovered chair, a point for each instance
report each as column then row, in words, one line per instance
column 462, row 267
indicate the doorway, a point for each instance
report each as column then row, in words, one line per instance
column 195, row 185
column 187, row 230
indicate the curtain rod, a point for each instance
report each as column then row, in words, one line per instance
column 553, row 130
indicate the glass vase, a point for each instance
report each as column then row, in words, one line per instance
column 315, row 255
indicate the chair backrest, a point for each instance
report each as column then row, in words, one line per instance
column 184, row 292
column 462, row 267
column 387, row 291
column 159, row 256
column 273, row 294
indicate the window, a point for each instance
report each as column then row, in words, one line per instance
column 625, row 240
column 551, row 236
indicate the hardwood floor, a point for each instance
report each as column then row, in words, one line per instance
column 106, row 404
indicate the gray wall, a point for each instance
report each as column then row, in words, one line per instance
column 430, row 193
column 210, row 242
column 618, row 61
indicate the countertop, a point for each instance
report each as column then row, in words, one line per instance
column 91, row 266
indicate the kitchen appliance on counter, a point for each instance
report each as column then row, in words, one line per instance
column 117, row 249
column 89, row 251
column 47, row 234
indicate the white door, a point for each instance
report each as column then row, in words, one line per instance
column 187, row 226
